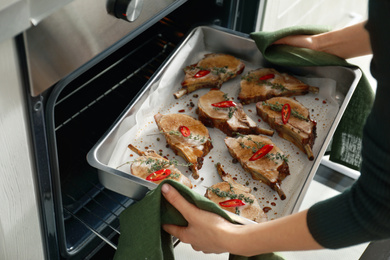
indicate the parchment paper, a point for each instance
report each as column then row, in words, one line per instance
column 144, row 134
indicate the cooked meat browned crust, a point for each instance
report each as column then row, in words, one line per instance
column 220, row 67
column 229, row 120
column 192, row 148
column 300, row 129
column 270, row 169
column 149, row 162
column 265, row 83
column 230, row 189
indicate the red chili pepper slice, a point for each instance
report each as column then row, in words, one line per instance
column 286, row 112
column 224, row 104
column 201, row 73
column 261, row 152
column 185, row 131
column 158, row 175
column 268, row 76
column 232, row 203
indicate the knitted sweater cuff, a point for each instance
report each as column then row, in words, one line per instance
column 331, row 225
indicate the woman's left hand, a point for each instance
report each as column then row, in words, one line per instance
column 206, row 231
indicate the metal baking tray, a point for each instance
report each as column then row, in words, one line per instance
column 136, row 124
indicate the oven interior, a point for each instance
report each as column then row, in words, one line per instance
column 81, row 107
column 84, row 110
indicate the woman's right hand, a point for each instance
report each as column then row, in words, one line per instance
column 346, row 43
column 302, row 41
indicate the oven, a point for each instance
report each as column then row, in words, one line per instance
column 80, row 67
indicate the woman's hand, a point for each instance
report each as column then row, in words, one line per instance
column 210, row 233
column 347, row 42
column 301, row 41
column 206, row 231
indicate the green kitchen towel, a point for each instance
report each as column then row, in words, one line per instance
column 346, row 143
column 140, row 225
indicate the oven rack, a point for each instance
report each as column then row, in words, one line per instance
column 106, row 219
column 145, row 69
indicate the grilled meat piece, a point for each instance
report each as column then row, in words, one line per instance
column 150, row 162
column 187, row 137
column 271, row 169
column 300, row 129
column 227, row 119
column 230, row 189
column 210, row 72
column 262, row 84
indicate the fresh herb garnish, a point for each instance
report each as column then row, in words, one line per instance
column 201, row 139
column 251, row 78
column 230, row 194
column 174, row 175
column 231, row 110
column 258, row 146
column 278, row 108
column 277, row 156
column 214, row 70
column 156, row 164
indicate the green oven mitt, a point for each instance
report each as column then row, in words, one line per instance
column 346, row 143
column 140, row 225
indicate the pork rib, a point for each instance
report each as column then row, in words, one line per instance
column 230, row 189
column 194, row 147
column 150, row 162
column 265, row 83
column 270, row 169
column 230, row 119
column 300, row 129
column 210, row 72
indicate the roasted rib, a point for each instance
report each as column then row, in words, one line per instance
column 192, row 147
column 150, row 162
column 210, row 72
column 262, row 84
column 300, row 129
column 270, row 169
column 229, row 119
column 230, row 189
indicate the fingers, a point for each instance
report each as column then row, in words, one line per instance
column 174, row 230
column 301, row 41
column 180, row 203
column 203, row 226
